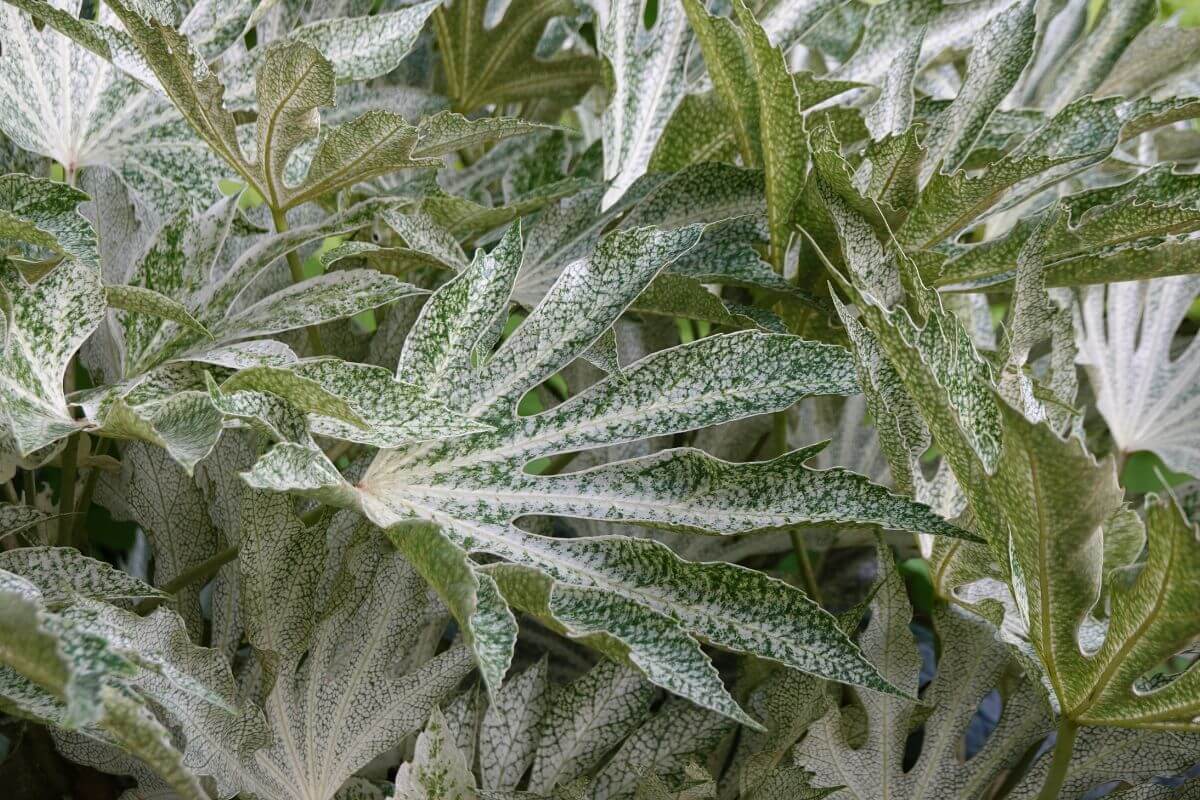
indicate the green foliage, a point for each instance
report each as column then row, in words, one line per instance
column 678, row 400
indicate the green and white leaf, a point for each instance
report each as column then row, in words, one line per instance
column 47, row 322
column 104, row 120
column 647, row 67
column 438, row 770
column 44, row 213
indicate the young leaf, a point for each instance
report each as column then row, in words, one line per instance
column 647, row 67
column 438, row 770
column 497, row 63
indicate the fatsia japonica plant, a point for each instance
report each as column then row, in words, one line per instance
column 605, row 399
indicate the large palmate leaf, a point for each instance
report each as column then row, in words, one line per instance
column 75, row 662
column 325, row 640
column 293, row 81
column 476, row 487
column 1145, row 386
column 46, row 323
column 73, row 106
column 972, row 663
column 497, row 61
column 1045, row 506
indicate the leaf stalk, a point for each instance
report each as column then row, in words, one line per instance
column 1064, row 745
column 279, row 217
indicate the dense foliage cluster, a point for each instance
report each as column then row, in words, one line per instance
column 606, row 399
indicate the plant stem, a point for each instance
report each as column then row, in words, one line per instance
column 806, row 567
column 202, row 571
column 66, row 492
column 297, row 270
column 807, row 573
column 29, row 489
column 1064, row 745
column 10, row 492
column 78, row 533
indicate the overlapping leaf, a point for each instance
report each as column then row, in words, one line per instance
column 496, row 61
column 971, row 665
column 69, row 104
column 293, row 81
column 475, row 488
column 96, row 668
column 1144, row 385
column 1044, row 504
column 47, row 322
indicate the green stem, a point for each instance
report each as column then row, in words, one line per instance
column 66, row 492
column 29, row 489
column 806, row 567
column 78, row 533
column 807, row 573
column 1064, row 745
column 202, row 571
column 10, row 492
column 297, row 269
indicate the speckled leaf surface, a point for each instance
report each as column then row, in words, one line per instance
column 69, row 104
column 475, row 487
column 44, row 213
column 94, row 667
column 438, row 770
column 1103, row 755
column 647, row 65
column 333, row 599
column 1074, row 496
column 488, row 625
column 47, row 323
column 17, row 518
column 585, row 718
column 999, row 53
column 292, row 83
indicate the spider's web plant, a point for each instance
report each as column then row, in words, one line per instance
column 433, row 400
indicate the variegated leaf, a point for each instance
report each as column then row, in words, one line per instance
column 47, row 322
column 44, row 213
column 647, row 66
